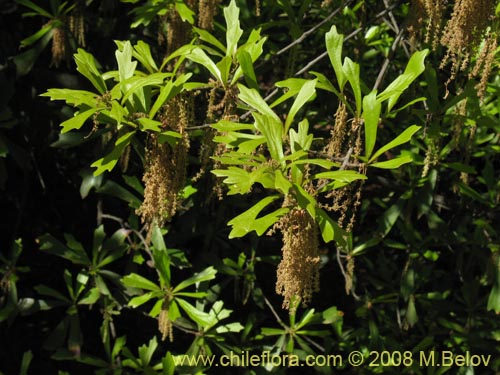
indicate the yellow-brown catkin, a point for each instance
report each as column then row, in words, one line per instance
column 464, row 31
column 76, row 23
column 59, row 46
column 344, row 146
column 484, row 60
column 178, row 31
column 157, row 203
column 165, row 325
column 298, row 271
column 165, row 170
column 338, row 134
column 207, row 9
column 426, row 15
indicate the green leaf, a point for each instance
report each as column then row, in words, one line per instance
column 307, row 91
column 147, row 124
column 187, row 15
column 160, row 255
column 36, row 8
column 137, row 281
column 78, row 120
column 224, row 66
column 229, row 126
column 126, row 67
column 136, row 85
column 411, row 312
column 200, row 317
column 245, row 61
column 371, row 115
column 205, row 275
column 75, row 254
column 254, row 100
column 301, row 140
column 146, row 352
column 209, row 38
column 334, row 42
column 404, row 137
column 142, row 52
column 413, row 69
column 272, row 131
column 233, row 32
column 199, row 56
column 393, row 163
column 281, row 183
column 168, row 364
column 36, row 36
column 238, row 179
column 347, row 176
column 25, row 362
column 142, row 299
column 91, row 297
column 86, row 65
column 351, row 71
column 247, row 221
column 329, row 229
column 72, row 97
column 108, row 162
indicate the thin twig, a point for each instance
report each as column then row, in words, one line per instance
column 278, row 319
column 126, row 226
column 305, row 34
column 387, row 60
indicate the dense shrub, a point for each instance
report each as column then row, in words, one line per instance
column 314, row 184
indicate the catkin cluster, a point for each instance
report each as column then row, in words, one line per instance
column 345, row 145
column 298, row 271
column 165, row 169
column 465, row 33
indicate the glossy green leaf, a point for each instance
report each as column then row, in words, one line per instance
column 351, row 71
column 140, row 300
column 72, row 97
column 334, row 42
column 248, row 221
column 126, row 67
column 78, row 120
column 234, row 31
column 404, row 137
column 245, row 61
column 414, row 68
column 281, row 183
column 37, row 36
column 301, row 140
column 108, row 162
column 142, row 52
column 75, row 254
column 160, row 255
column 137, row 281
column 198, row 316
column 91, row 297
column 147, row 124
column 86, row 65
column 393, row 163
column 305, row 94
column 342, row 175
column 371, row 115
column 205, row 275
column 272, row 131
column 254, row 100
column 209, row 38
column 199, row 56
column 186, row 14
